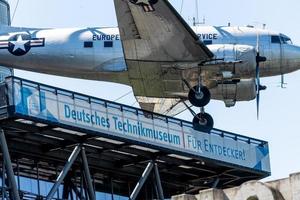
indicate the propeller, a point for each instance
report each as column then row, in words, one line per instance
column 259, row 87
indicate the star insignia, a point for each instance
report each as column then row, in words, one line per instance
column 21, row 43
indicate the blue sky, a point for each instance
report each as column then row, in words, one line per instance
column 280, row 108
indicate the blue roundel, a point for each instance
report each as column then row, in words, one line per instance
column 19, row 44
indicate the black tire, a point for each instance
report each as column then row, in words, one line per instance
column 197, row 101
column 203, row 122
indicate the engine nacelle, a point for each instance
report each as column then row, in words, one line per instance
column 238, row 59
column 245, row 90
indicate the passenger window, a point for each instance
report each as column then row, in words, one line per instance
column 108, row 44
column 207, row 42
column 88, row 44
column 275, row 39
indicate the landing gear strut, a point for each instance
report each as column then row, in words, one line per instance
column 199, row 96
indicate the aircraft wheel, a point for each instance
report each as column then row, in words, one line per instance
column 203, row 122
column 199, row 99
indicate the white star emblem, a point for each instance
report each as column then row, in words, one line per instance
column 19, row 44
column 144, row 2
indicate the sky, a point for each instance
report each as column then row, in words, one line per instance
column 280, row 108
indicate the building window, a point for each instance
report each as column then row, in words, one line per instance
column 253, row 198
column 88, row 44
column 108, row 44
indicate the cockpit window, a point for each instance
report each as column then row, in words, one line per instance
column 282, row 39
column 286, row 40
column 275, row 39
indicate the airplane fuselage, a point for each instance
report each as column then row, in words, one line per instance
column 89, row 53
column 282, row 56
column 97, row 54
column 93, row 52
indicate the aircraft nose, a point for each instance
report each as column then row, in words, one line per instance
column 291, row 58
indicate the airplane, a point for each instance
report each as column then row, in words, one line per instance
column 170, row 65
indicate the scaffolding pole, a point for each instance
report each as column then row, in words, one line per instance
column 8, row 165
column 87, row 174
column 158, row 183
column 64, row 172
column 142, row 181
column 3, row 180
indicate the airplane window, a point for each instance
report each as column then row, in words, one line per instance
column 286, row 40
column 207, row 42
column 108, row 44
column 275, row 39
column 88, row 44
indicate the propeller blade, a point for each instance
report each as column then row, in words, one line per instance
column 257, row 88
column 259, row 59
column 257, row 105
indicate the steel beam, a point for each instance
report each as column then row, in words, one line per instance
column 112, row 188
column 87, row 174
column 38, row 179
column 142, row 181
column 158, row 183
column 3, row 180
column 9, row 168
column 64, row 172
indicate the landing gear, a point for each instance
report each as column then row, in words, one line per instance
column 203, row 122
column 199, row 96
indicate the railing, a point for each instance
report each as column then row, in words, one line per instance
column 102, row 118
column 124, row 108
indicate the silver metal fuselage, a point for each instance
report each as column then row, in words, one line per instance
column 282, row 56
column 97, row 53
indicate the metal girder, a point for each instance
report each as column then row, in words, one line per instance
column 64, row 172
column 9, row 168
column 142, row 181
column 87, row 175
column 158, row 183
column 151, row 167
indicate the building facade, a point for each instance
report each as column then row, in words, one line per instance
column 4, row 21
column 283, row 189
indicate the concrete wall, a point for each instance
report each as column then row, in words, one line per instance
column 284, row 189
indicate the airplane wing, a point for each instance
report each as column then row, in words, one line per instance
column 153, row 31
column 165, row 106
column 158, row 45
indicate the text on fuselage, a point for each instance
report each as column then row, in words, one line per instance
column 208, row 36
column 104, row 37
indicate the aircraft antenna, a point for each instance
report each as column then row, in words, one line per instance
column 181, row 7
column 15, row 10
column 197, row 12
column 196, row 21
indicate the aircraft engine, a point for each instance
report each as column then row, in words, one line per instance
column 230, row 92
column 238, row 59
